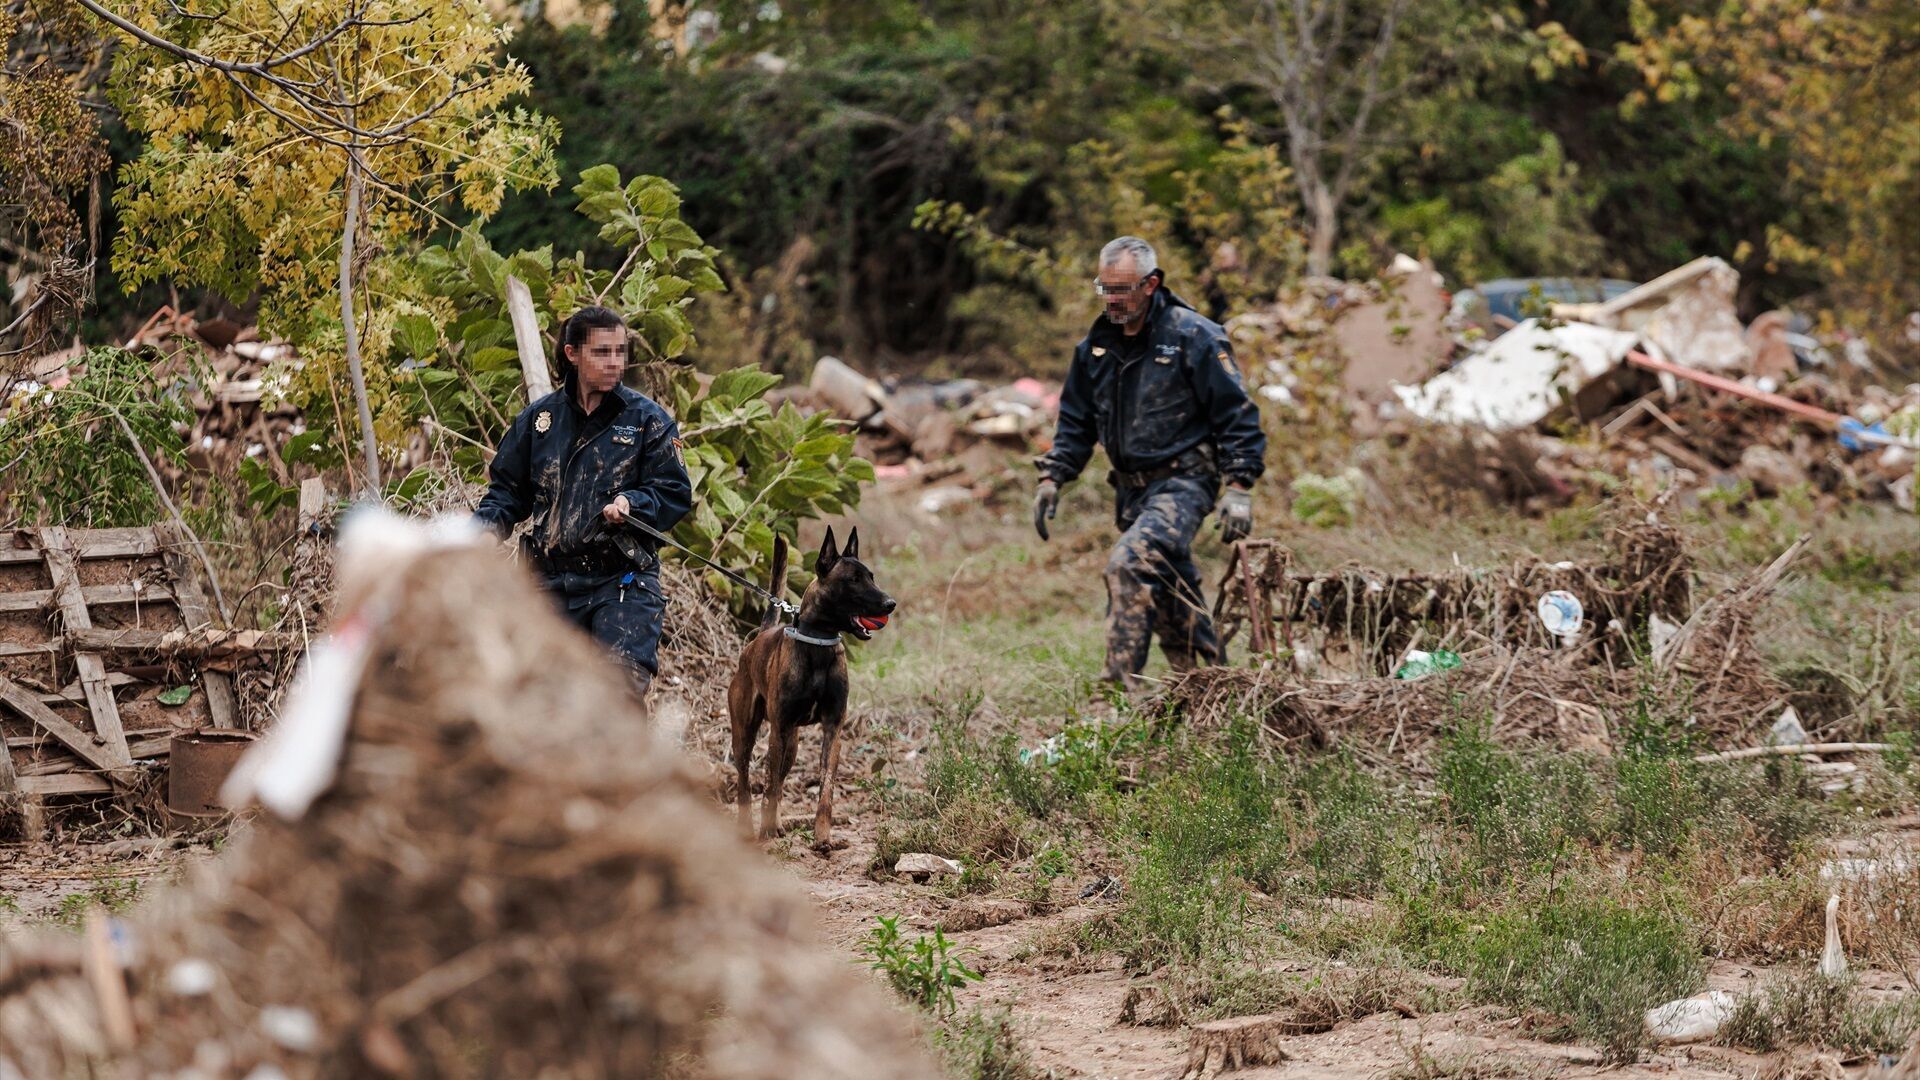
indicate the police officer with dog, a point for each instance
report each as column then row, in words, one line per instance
column 580, row 462
column 1155, row 383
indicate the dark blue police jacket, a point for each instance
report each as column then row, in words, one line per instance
column 629, row 446
column 1184, row 392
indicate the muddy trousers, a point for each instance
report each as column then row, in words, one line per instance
column 625, row 618
column 1153, row 586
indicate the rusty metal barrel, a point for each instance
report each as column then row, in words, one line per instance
column 197, row 764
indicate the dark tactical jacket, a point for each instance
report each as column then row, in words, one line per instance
column 627, row 447
column 1182, row 392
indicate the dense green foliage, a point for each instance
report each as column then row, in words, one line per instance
column 930, row 179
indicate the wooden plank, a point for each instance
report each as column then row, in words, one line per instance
column 126, row 543
column 71, row 783
column 222, row 707
column 201, row 643
column 526, row 337
column 27, row 704
column 93, row 544
column 72, row 602
column 92, row 596
column 72, row 694
column 45, row 647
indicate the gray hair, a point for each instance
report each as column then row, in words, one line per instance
column 1145, row 261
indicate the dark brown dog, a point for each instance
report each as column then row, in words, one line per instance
column 797, row 675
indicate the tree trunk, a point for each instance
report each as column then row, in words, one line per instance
column 368, row 444
column 1322, row 231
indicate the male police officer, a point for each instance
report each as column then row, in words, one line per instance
column 1156, row 384
column 580, row 461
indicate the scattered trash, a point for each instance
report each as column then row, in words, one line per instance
column 1047, row 753
column 1561, row 613
column 291, row 1027
column 175, row 696
column 920, row 866
column 1104, row 887
column 1420, row 664
column 1833, row 959
column 1690, row 1020
column 192, row 977
column 1788, row 731
column 945, row 498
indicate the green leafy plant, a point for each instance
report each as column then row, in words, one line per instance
column 114, row 894
column 923, row 970
column 756, row 471
column 65, row 457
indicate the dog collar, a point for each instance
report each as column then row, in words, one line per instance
column 824, row 642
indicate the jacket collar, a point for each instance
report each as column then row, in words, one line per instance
column 1105, row 334
column 618, row 398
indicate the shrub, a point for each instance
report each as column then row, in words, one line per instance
column 923, row 971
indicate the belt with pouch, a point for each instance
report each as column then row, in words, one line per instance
column 1197, row 460
column 599, row 563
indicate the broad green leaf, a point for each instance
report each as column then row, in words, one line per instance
column 176, row 696
column 600, row 179
column 742, row 384
column 417, row 336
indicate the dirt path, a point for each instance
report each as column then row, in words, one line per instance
column 1070, row 1019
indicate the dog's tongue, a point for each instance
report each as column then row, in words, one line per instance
column 870, row 623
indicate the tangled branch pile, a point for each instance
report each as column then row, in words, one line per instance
column 507, row 877
column 1710, row 676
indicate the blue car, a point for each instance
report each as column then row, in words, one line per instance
column 1497, row 305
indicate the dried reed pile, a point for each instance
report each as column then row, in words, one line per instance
column 1710, row 675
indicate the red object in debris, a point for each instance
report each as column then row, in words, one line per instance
column 1716, row 382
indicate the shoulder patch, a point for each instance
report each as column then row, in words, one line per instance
column 1099, row 350
column 543, row 422
column 679, row 446
column 1226, row 361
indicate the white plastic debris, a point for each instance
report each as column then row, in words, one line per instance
column 1561, row 613
column 1521, row 378
column 192, row 977
column 290, row 1027
column 1660, row 635
column 920, row 864
column 1788, row 731
column 296, row 761
column 1833, row 960
column 1690, row 1020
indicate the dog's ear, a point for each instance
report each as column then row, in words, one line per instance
column 852, row 550
column 828, row 556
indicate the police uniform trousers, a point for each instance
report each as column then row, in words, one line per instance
column 1153, row 586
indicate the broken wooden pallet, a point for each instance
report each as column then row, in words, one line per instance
column 91, row 622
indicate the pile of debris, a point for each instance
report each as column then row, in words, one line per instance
column 1661, row 384
column 220, row 367
column 1579, row 693
column 473, row 859
column 950, row 437
column 1376, row 617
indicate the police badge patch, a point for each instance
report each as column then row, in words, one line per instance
column 1226, row 361
column 542, row 422
column 679, row 445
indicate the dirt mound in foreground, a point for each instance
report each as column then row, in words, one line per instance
column 508, row 877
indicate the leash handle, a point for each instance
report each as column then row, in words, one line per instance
column 785, row 606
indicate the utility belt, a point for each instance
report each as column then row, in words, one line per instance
column 597, row 562
column 1197, row 461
